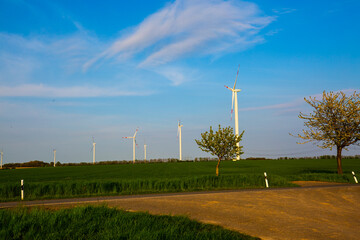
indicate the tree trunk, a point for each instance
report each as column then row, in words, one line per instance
column 338, row 159
column 217, row 167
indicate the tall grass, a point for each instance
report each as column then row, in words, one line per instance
column 70, row 189
column 104, row 223
column 325, row 177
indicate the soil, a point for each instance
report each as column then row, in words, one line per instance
column 307, row 213
column 325, row 212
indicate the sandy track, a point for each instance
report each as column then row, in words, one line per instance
column 311, row 213
column 298, row 213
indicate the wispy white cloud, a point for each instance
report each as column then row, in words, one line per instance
column 176, row 75
column 282, row 106
column 65, row 52
column 295, row 105
column 273, row 32
column 40, row 90
column 28, row 64
column 190, row 27
column 16, row 68
column 284, row 10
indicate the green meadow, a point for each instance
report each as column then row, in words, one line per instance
column 143, row 178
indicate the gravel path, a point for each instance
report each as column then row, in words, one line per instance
column 326, row 212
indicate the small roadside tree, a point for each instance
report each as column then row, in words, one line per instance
column 335, row 121
column 222, row 144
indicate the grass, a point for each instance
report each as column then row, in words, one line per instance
column 88, row 188
column 104, row 223
column 100, row 180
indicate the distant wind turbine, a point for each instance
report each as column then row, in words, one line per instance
column 134, row 144
column 234, row 104
column 145, row 152
column 93, row 149
column 54, row 150
column 1, row 158
column 179, row 134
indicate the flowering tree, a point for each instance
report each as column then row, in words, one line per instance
column 222, row 144
column 335, row 121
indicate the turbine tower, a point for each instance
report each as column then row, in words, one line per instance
column 145, row 152
column 234, row 104
column 54, row 150
column 93, row 148
column 134, row 143
column 179, row 134
column 1, row 158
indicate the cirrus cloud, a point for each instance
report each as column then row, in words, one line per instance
column 189, row 28
column 40, row 90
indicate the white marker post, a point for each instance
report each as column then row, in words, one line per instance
column 356, row 181
column 22, row 189
column 266, row 181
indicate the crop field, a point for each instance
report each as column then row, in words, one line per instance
column 101, row 180
column 104, row 223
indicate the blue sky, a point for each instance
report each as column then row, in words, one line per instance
column 73, row 70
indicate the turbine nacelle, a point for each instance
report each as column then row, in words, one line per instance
column 231, row 89
column 179, row 128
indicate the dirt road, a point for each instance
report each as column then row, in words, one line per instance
column 297, row 213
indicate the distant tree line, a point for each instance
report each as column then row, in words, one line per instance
column 321, row 157
column 37, row 163
column 314, row 157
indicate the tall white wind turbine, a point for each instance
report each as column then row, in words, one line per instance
column 234, row 105
column 134, row 144
column 93, row 148
column 54, row 150
column 179, row 135
column 1, row 158
column 145, row 152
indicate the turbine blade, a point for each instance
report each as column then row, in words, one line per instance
column 228, row 87
column 135, row 132
column 236, row 76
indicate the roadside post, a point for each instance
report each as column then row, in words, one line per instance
column 356, row 181
column 22, row 189
column 266, row 180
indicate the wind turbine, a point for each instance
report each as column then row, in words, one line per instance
column 134, row 143
column 93, row 149
column 234, row 104
column 1, row 158
column 54, row 150
column 179, row 134
column 145, row 152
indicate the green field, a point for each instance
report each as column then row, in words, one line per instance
column 100, row 180
column 104, row 223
